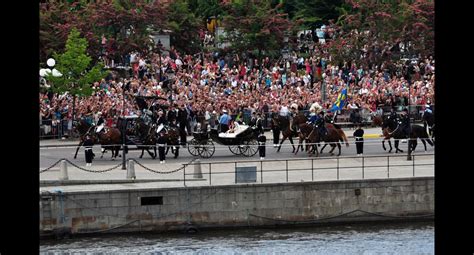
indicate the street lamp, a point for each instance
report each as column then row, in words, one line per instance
column 47, row 71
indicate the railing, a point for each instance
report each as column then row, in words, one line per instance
column 315, row 169
column 195, row 172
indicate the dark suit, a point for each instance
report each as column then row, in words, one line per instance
column 359, row 136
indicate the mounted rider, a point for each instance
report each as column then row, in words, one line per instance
column 404, row 122
column 393, row 114
column 320, row 123
column 292, row 114
column 312, row 116
column 100, row 123
column 161, row 122
column 428, row 119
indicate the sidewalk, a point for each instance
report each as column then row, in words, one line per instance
column 369, row 133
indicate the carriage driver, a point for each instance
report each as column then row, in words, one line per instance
column 161, row 122
column 100, row 123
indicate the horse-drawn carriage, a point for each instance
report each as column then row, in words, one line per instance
column 243, row 141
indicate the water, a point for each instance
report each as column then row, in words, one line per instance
column 401, row 238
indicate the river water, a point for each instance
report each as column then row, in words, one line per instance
column 381, row 238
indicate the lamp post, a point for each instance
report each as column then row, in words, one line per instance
column 47, row 71
column 409, row 120
column 124, row 128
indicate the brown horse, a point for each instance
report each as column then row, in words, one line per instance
column 172, row 139
column 110, row 138
column 147, row 137
column 334, row 136
column 288, row 133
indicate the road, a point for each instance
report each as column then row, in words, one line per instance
column 372, row 146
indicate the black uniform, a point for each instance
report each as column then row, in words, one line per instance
column 261, row 144
column 258, row 124
column 182, row 121
column 253, row 121
column 321, row 125
column 88, row 150
column 171, row 115
column 161, row 120
column 161, row 141
column 100, row 121
column 276, row 132
column 405, row 124
column 359, row 136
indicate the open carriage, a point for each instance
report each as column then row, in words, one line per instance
column 242, row 142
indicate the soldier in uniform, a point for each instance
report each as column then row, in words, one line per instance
column 88, row 143
column 393, row 114
column 161, row 141
column 320, row 123
column 405, row 123
column 258, row 123
column 261, row 145
column 100, row 123
column 359, row 137
column 182, row 121
column 253, row 120
column 160, row 121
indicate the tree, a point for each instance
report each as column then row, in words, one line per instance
column 311, row 14
column 253, row 24
column 185, row 27
column 376, row 29
column 74, row 65
column 127, row 25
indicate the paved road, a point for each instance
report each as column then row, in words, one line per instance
column 372, row 146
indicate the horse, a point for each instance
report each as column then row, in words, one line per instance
column 147, row 136
column 288, row 133
column 110, row 138
column 334, row 136
column 172, row 138
column 392, row 129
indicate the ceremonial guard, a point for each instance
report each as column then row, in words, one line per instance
column 261, row 145
column 182, row 119
column 161, row 147
column 359, row 137
column 88, row 143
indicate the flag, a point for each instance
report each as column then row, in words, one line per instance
column 341, row 101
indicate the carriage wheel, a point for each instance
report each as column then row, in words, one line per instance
column 235, row 149
column 208, row 150
column 194, row 148
column 249, row 148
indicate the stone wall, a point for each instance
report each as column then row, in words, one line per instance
column 237, row 205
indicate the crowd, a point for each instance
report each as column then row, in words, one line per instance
column 205, row 84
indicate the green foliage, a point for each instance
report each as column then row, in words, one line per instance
column 74, row 64
column 255, row 25
column 185, row 27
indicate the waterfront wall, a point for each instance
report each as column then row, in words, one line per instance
column 194, row 208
